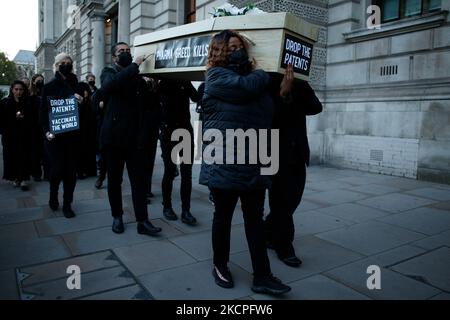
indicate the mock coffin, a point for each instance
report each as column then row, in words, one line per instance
column 276, row 39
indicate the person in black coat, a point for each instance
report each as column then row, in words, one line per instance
column 87, row 164
column 16, row 129
column 63, row 148
column 37, row 145
column 294, row 100
column 175, row 106
column 124, row 135
column 236, row 97
column 98, row 107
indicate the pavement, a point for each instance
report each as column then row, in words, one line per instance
column 348, row 221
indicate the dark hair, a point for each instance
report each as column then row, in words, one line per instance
column 114, row 47
column 89, row 75
column 218, row 48
column 16, row 82
column 33, row 89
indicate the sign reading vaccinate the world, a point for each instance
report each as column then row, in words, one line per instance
column 188, row 52
column 63, row 115
column 297, row 53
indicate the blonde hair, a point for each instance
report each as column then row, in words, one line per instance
column 59, row 58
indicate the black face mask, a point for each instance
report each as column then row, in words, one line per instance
column 66, row 69
column 92, row 83
column 125, row 59
column 238, row 59
column 39, row 84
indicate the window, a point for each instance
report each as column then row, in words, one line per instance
column 398, row 9
column 190, row 9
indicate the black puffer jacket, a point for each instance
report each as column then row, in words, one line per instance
column 233, row 101
column 128, row 108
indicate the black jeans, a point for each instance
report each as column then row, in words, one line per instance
column 252, row 202
column 135, row 159
column 63, row 157
column 170, row 168
column 153, row 146
column 284, row 197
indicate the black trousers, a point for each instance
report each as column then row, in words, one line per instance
column 135, row 159
column 102, row 164
column 170, row 168
column 252, row 202
column 63, row 157
column 153, row 146
column 284, row 197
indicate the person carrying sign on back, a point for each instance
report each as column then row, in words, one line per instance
column 62, row 147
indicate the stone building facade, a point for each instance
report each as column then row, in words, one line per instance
column 386, row 91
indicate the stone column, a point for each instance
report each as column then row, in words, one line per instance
column 48, row 20
column 98, row 42
column 124, row 21
column 64, row 15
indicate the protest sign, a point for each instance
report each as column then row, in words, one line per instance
column 63, row 114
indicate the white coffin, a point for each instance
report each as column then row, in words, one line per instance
column 277, row 39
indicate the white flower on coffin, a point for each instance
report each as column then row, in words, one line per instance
column 228, row 9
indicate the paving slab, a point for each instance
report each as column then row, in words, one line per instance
column 396, row 202
column 82, row 242
column 328, row 185
column 18, row 231
column 371, row 237
column 61, row 225
column 432, row 193
column 432, row 268
column 58, row 269
column 441, row 296
column 199, row 245
column 317, row 287
column 10, row 216
column 92, row 282
column 313, row 222
column 336, row 196
column 353, row 212
column 152, row 256
column 133, row 292
column 433, row 242
column 195, row 282
column 425, row 220
column 374, row 189
column 19, row 253
column 8, row 288
column 394, row 286
column 317, row 256
column 397, row 255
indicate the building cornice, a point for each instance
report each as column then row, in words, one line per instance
column 412, row 24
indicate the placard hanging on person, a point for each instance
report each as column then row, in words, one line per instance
column 63, row 115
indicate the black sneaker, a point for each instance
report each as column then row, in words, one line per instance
column 222, row 277
column 99, row 183
column 188, row 218
column 53, row 204
column 68, row 212
column 118, row 226
column 169, row 214
column 269, row 285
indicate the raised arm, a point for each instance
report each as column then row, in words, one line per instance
column 113, row 81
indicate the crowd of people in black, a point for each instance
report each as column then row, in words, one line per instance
column 120, row 124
